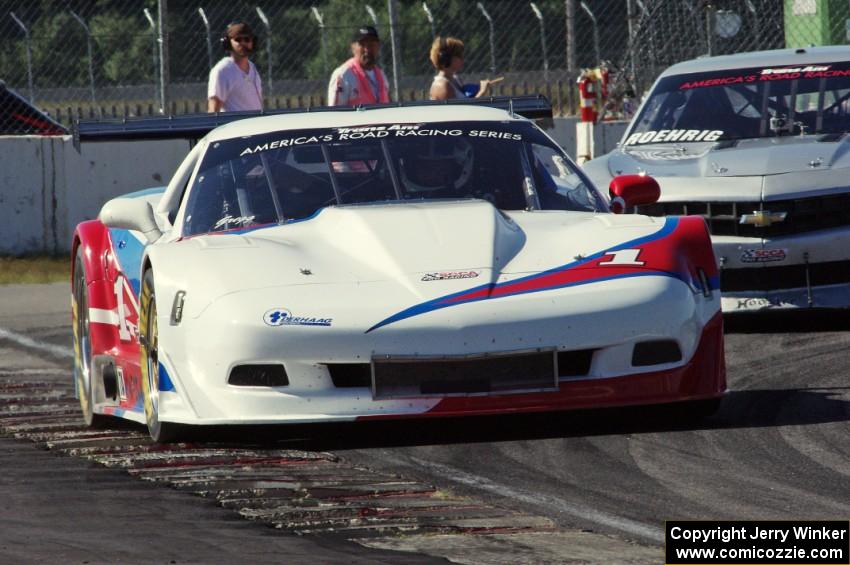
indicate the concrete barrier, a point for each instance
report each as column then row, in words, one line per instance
column 47, row 187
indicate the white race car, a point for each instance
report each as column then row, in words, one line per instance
column 757, row 145
column 394, row 262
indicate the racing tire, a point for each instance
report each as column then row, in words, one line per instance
column 160, row 432
column 82, row 345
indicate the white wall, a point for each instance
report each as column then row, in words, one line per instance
column 47, row 187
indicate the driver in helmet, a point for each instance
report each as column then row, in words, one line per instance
column 437, row 164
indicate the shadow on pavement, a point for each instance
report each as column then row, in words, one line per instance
column 740, row 409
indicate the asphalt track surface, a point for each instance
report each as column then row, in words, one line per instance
column 576, row 487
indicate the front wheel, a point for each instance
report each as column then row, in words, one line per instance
column 82, row 345
column 160, row 432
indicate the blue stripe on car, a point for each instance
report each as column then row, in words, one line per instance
column 670, row 224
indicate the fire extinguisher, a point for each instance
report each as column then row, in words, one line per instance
column 587, row 97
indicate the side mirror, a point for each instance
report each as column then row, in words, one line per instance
column 632, row 190
column 131, row 214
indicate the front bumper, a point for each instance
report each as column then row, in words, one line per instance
column 654, row 308
column 810, row 270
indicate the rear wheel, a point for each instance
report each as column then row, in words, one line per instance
column 82, row 344
column 161, row 432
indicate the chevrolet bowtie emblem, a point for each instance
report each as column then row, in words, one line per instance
column 763, row 218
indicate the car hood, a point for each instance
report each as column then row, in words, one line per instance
column 752, row 168
column 425, row 250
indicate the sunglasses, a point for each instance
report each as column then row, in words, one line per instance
column 243, row 39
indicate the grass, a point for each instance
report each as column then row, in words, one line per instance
column 34, row 269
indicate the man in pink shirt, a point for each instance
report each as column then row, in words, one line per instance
column 359, row 80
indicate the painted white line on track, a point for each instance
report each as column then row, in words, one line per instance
column 30, row 343
column 17, row 372
column 585, row 513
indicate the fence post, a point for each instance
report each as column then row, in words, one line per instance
column 430, row 17
column 321, row 22
column 492, row 37
column 91, row 61
column 265, row 21
column 163, row 54
column 539, row 15
column 756, row 23
column 570, row 17
column 592, row 17
column 630, row 19
column 29, row 54
column 152, row 23
column 209, row 35
column 710, row 12
column 391, row 9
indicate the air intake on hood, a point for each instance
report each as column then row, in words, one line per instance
column 258, row 375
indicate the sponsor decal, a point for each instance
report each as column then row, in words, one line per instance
column 673, row 135
column 286, row 142
column 670, row 153
column 376, row 132
column 769, row 74
column 761, row 303
column 806, row 69
column 233, row 220
column 283, row 317
column 449, row 275
column 763, row 255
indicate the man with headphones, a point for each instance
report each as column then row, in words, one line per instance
column 359, row 80
column 235, row 84
column 447, row 58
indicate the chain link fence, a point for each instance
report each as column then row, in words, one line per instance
column 103, row 57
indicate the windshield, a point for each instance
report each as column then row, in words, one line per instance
column 746, row 103
column 290, row 175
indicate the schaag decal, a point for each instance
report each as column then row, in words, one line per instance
column 763, row 255
column 449, row 275
column 283, row 317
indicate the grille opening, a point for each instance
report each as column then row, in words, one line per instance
column 574, row 363
column 792, row 276
column 656, row 352
column 490, row 374
column 349, row 375
column 803, row 215
column 258, row 375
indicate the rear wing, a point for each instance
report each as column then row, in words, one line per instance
column 195, row 126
